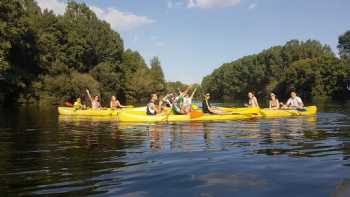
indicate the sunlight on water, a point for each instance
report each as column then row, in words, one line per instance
column 43, row 154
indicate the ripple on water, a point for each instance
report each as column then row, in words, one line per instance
column 298, row 156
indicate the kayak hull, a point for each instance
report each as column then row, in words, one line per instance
column 86, row 112
column 311, row 110
column 241, row 110
column 138, row 117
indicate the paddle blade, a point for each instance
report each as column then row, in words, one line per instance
column 196, row 114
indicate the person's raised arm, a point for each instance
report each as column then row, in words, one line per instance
column 88, row 93
column 194, row 91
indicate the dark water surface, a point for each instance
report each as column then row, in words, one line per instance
column 42, row 154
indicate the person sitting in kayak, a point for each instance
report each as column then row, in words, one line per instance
column 273, row 103
column 115, row 104
column 294, row 102
column 95, row 102
column 207, row 108
column 178, row 105
column 151, row 108
column 187, row 105
column 253, row 101
column 77, row 104
column 164, row 102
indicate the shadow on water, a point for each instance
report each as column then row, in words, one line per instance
column 43, row 154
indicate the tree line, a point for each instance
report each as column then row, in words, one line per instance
column 44, row 56
column 308, row 67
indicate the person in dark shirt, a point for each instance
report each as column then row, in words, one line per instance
column 207, row 108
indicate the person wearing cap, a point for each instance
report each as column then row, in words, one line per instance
column 207, row 108
column 273, row 103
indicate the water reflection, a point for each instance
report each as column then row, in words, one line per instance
column 43, row 154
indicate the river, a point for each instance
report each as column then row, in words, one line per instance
column 43, row 154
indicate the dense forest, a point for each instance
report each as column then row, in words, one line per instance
column 48, row 57
column 309, row 68
column 44, row 56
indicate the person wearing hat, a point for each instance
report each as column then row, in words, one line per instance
column 273, row 103
column 207, row 108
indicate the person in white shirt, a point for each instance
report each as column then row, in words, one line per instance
column 294, row 102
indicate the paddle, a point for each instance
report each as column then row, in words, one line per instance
column 196, row 114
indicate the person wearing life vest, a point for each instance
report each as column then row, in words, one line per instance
column 77, row 104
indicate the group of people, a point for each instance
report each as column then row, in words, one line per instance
column 294, row 102
column 181, row 103
column 96, row 104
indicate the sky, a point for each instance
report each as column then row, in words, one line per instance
column 194, row 37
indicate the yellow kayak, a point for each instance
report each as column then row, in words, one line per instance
column 84, row 112
column 241, row 110
column 311, row 110
column 126, row 116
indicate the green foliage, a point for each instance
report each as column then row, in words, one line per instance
column 309, row 67
column 43, row 55
column 109, row 78
column 158, row 85
column 344, row 45
column 68, row 86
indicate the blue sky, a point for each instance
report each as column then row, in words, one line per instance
column 193, row 37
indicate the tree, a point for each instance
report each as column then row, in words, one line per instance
column 158, row 82
column 309, row 67
column 107, row 75
column 344, row 45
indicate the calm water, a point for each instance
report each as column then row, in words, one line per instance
column 42, row 154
